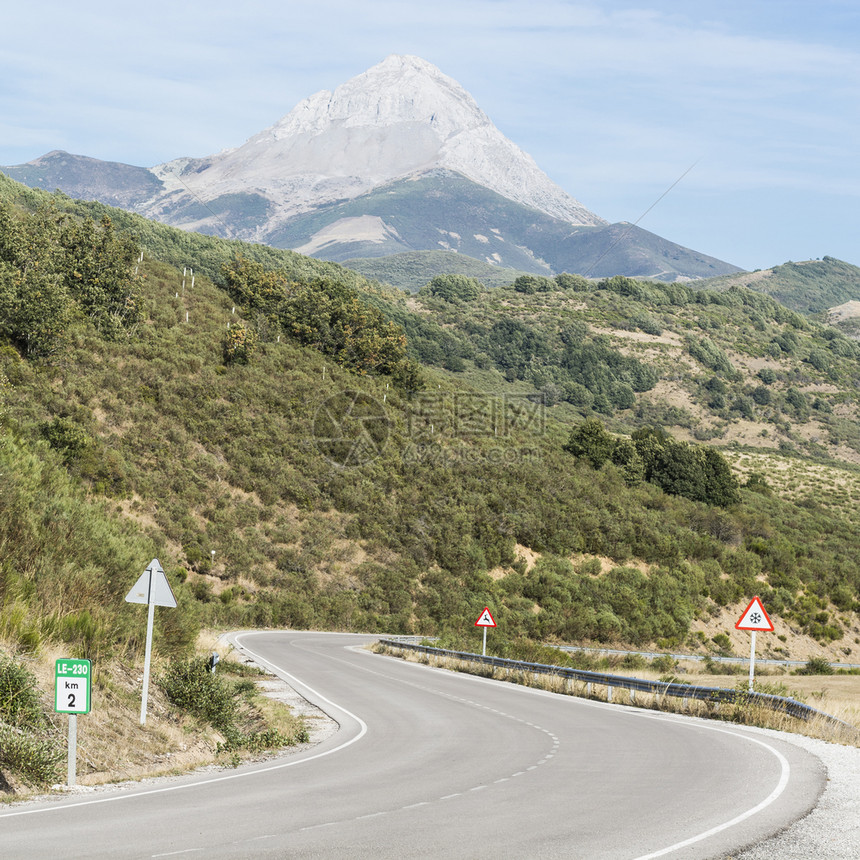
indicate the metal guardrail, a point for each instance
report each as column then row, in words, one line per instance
column 712, row 695
column 699, row 658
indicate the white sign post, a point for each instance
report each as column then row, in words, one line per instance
column 485, row 620
column 153, row 589
column 754, row 618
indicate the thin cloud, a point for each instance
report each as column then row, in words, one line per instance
column 613, row 101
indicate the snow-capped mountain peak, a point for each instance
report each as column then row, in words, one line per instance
column 400, row 118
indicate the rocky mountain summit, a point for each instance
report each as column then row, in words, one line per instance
column 401, row 118
column 399, row 158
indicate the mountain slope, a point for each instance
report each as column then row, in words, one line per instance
column 86, row 178
column 734, row 367
column 447, row 211
column 414, row 269
column 335, row 498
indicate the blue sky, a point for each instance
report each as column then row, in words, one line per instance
column 614, row 100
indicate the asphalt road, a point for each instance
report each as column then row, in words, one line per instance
column 441, row 765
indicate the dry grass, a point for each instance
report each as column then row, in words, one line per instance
column 830, row 485
column 112, row 745
column 838, row 693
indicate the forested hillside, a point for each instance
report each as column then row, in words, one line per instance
column 731, row 366
column 302, row 447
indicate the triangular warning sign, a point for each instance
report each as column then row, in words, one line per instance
column 755, row 618
column 152, row 587
column 486, row 619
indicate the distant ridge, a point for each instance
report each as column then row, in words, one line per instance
column 411, row 270
column 810, row 286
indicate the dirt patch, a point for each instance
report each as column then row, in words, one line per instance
column 673, row 395
column 416, row 306
column 668, row 338
column 607, row 564
column 794, row 479
column 843, row 312
column 795, row 646
column 360, row 228
column 530, row 557
column 133, row 509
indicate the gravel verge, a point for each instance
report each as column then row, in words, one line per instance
column 832, row 830
column 319, row 724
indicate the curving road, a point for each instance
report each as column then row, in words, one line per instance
column 434, row 764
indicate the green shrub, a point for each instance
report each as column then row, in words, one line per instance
column 211, row 697
column 566, row 281
column 709, row 354
column 66, row 436
column 327, row 315
column 233, row 667
column 591, row 442
column 192, row 687
column 664, row 663
column 645, row 322
column 454, row 288
column 19, row 697
column 35, row 758
column 816, row 666
column 712, row 667
column 697, row 473
column 722, row 641
column 268, row 739
column 239, row 344
column 25, row 748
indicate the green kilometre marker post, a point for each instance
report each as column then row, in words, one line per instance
column 73, row 687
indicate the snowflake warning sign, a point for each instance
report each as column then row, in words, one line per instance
column 755, row 618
